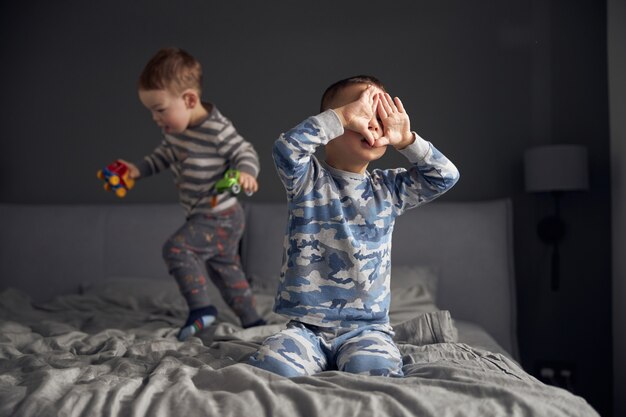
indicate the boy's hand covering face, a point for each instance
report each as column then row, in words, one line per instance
column 395, row 121
column 358, row 114
column 374, row 107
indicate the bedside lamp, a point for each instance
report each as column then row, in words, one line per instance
column 555, row 169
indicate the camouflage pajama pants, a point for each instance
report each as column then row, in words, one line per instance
column 302, row 349
column 207, row 244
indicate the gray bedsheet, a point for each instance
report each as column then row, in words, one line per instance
column 85, row 355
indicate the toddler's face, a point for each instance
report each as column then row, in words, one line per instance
column 169, row 110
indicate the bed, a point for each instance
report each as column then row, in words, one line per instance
column 89, row 316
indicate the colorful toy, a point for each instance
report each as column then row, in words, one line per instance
column 116, row 177
column 230, row 182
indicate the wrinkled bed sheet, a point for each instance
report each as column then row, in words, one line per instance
column 84, row 355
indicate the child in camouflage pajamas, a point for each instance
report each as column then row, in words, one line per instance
column 334, row 283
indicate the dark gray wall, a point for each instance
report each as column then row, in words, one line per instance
column 482, row 80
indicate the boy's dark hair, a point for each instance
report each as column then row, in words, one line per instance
column 171, row 69
column 332, row 91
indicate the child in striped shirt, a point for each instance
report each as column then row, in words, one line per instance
column 199, row 144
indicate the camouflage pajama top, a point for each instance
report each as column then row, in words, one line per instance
column 336, row 261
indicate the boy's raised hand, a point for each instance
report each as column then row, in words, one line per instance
column 357, row 115
column 395, row 122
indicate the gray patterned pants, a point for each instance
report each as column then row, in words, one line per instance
column 207, row 244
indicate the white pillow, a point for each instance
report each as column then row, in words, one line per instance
column 407, row 303
column 413, row 290
column 407, row 276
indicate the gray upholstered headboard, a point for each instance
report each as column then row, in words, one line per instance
column 46, row 250
column 469, row 243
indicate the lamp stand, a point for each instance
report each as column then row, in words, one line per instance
column 551, row 230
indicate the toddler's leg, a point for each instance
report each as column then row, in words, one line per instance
column 372, row 353
column 295, row 351
column 225, row 267
column 183, row 254
column 229, row 278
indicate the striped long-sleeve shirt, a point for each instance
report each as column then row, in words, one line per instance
column 337, row 252
column 199, row 157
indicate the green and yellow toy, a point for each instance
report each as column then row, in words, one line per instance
column 230, row 182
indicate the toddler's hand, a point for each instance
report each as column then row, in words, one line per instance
column 395, row 121
column 248, row 183
column 357, row 115
column 133, row 171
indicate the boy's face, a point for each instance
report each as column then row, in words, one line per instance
column 169, row 111
column 351, row 148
